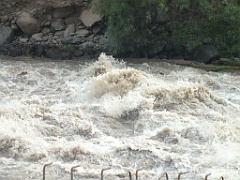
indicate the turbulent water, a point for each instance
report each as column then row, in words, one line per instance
column 154, row 117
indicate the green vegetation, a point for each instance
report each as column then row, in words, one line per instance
column 67, row 47
column 128, row 21
column 133, row 24
column 217, row 68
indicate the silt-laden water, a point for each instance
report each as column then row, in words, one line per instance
column 154, row 117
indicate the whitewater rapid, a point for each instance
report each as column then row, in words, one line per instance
column 154, row 117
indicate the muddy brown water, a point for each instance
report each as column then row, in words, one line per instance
column 152, row 116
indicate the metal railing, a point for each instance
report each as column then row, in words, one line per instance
column 163, row 175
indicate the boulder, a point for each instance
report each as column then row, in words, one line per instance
column 6, row 34
column 37, row 37
column 3, row 50
column 46, row 31
column 58, row 34
column 58, row 53
column 206, row 53
column 14, row 27
column 53, row 53
column 89, row 18
column 71, row 40
column 28, row 24
column 78, row 52
column 71, row 19
column 96, row 29
column 63, row 12
column 82, row 33
column 58, row 24
column 23, row 39
column 37, row 50
column 155, row 50
column 69, row 30
column 104, row 42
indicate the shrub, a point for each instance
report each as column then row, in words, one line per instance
column 67, row 47
column 218, row 24
column 225, row 28
column 191, row 23
column 128, row 22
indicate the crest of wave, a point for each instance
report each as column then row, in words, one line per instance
column 117, row 82
column 127, row 90
column 103, row 65
column 180, row 93
column 128, row 105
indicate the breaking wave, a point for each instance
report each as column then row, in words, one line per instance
column 154, row 117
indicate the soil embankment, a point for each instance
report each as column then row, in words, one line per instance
column 55, row 29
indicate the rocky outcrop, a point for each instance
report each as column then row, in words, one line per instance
column 58, row 30
column 58, row 24
column 6, row 34
column 69, row 30
column 65, row 29
column 88, row 18
column 206, row 53
column 28, row 24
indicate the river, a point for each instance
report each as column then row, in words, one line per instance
column 154, row 117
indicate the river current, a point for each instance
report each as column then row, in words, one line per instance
column 153, row 117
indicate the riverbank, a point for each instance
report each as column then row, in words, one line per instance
column 230, row 66
column 72, row 29
column 58, row 31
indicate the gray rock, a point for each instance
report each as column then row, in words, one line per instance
column 76, row 40
column 37, row 50
column 63, row 12
column 5, row 18
column 46, row 31
column 206, row 53
column 86, row 45
column 82, row 32
column 58, row 34
column 46, row 23
column 97, row 29
column 14, row 27
column 71, row 40
column 221, row 61
column 58, row 24
column 66, row 55
column 37, row 37
column 54, row 41
column 69, row 30
column 45, row 38
column 81, row 27
column 23, row 39
column 28, row 24
column 131, row 114
column 67, row 40
column 53, row 53
column 225, row 59
column 6, row 34
column 3, row 50
column 96, row 39
column 155, row 50
column 104, row 41
column 78, row 53
column 71, row 20
column 88, row 18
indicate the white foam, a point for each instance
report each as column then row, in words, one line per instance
column 106, row 114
